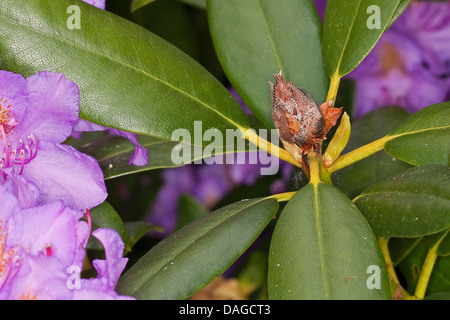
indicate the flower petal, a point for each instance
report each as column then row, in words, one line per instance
column 51, row 230
column 111, row 268
column 53, row 109
column 13, row 99
column 63, row 173
column 140, row 156
column 26, row 191
column 39, row 278
column 97, row 3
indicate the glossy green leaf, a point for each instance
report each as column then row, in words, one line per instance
column 255, row 39
column 189, row 210
column 412, row 203
column 352, row 28
column 411, row 267
column 401, row 7
column 444, row 246
column 137, row 229
column 190, row 258
column 423, row 138
column 323, row 248
column 200, row 4
column 352, row 180
column 440, row 277
column 113, row 153
column 138, row 4
column 104, row 216
column 399, row 248
column 439, row 296
column 129, row 78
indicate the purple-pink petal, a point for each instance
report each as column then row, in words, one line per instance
column 111, row 268
column 63, row 173
column 39, row 278
column 13, row 100
column 25, row 190
column 51, row 230
column 53, row 108
column 97, row 3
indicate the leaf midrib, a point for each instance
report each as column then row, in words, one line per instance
column 319, row 240
column 269, row 36
column 346, row 41
column 122, row 63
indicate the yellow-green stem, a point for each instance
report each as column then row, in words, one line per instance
column 282, row 197
column 265, row 145
column 358, row 154
column 400, row 293
column 427, row 269
column 314, row 161
column 333, row 89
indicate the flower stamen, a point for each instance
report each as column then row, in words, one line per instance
column 3, row 133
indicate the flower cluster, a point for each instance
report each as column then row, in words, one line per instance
column 410, row 65
column 45, row 186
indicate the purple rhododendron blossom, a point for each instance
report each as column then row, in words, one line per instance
column 37, row 115
column 140, row 156
column 97, row 3
column 39, row 245
column 410, row 65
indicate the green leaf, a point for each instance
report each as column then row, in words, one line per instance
column 128, row 77
column 347, row 39
column 323, row 248
column 412, row 203
column 137, row 229
column 401, row 7
column 137, row 4
column 200, row 4
column 444, row 247
column 399, row 248
column 439, row 296
column 113, row 153
column 352, row 180
column 190, row 258
column 423, row 138
column 440, row 277
column 255, row 39
column 189, row 210
column 104, row 216
column 411, row 267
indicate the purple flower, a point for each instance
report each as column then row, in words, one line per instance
column 39, row 245
column 37, row 115
column 140, row 156
column 97, row 3
column 410, row 65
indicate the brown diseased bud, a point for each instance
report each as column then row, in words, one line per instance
column 297, row 117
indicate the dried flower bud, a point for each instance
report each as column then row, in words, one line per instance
column 297, row 117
